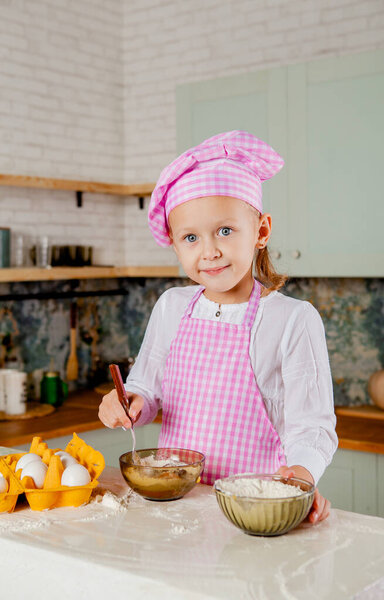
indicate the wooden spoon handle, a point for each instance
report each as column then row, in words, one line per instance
column 119, row 385
column 73, row 315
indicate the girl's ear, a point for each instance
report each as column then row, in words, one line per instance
column 265, row 230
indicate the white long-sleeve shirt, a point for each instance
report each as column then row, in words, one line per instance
column 289, row 357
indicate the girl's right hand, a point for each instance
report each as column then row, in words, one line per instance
column 112, row 414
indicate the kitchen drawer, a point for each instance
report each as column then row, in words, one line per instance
column 353, row 482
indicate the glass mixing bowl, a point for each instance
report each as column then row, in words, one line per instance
column 265, row 516
column 162, row 482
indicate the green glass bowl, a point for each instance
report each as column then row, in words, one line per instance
column 265, row 516
column 163, row 483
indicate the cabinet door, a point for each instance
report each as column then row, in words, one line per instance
column 254, row 102
column 380, row 485
column 335, row 156
column 326, row 119
column 350, row 482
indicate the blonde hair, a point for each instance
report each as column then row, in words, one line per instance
column 265, row 271
column 263, row 268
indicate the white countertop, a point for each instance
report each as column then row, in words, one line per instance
column 184, row 549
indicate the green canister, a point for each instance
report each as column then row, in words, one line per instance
column 5, row 242
column 53, row 389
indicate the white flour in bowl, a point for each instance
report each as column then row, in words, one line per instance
column 259, row 488
column 152, row 461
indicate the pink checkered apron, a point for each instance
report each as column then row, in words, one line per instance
column 211, row 401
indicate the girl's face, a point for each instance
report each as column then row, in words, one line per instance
column 215, row 240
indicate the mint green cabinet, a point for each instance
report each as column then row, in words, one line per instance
column 380, row 485
column 326, row 118
column 255, row 102
column 355, row 481
column 335, row 151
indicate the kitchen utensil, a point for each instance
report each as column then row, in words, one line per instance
column 3, row 372
column 52, row 389
column 19, row 250
column 163, row 482
column 83, row 256
column 5, row 243
column 40, row 254
column 265, row 516
column 72, row 256
column 72, row 364
column 15, row 392
column 124, row 401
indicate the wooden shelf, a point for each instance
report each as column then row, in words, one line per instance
column 95, row 187
column 56, row 273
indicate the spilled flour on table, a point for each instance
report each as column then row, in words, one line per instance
column 102, row 504
column 108, row 499
column 179, row 529
column 177, row 523
column 21, row 524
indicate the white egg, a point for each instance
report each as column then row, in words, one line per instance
column 37, row 470
column 26, row 459
column 66, row 458
column 3, row 484
column 75, row 475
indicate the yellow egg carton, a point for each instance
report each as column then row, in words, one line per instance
column 8, row 499
column 53, row 494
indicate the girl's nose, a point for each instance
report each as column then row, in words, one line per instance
column 210, row 250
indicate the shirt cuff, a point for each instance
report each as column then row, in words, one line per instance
column 148, row 412
column 309, row 458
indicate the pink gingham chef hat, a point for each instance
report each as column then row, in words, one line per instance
column 228, row 164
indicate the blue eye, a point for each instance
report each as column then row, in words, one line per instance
column 191, row 237
column 225, row 231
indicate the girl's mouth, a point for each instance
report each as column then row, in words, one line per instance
column 215, row 271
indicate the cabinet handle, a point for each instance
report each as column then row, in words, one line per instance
column 296, row 254
column 276, row 254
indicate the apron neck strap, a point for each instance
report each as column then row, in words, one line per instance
column 253, row 304
column 192, row 303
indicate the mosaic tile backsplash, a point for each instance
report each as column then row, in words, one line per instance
column 112, row 316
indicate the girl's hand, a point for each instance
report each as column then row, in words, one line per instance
column 112, row 414
column 321, row 506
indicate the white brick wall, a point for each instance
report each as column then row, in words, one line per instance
column 88, row 92
column 99, row 223
column 61, row 68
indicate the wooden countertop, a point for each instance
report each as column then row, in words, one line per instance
column 78, row 413
column 360, row 428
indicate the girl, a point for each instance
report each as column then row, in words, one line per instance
column 240, row 370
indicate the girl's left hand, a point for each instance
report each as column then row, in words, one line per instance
column 321, row 506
